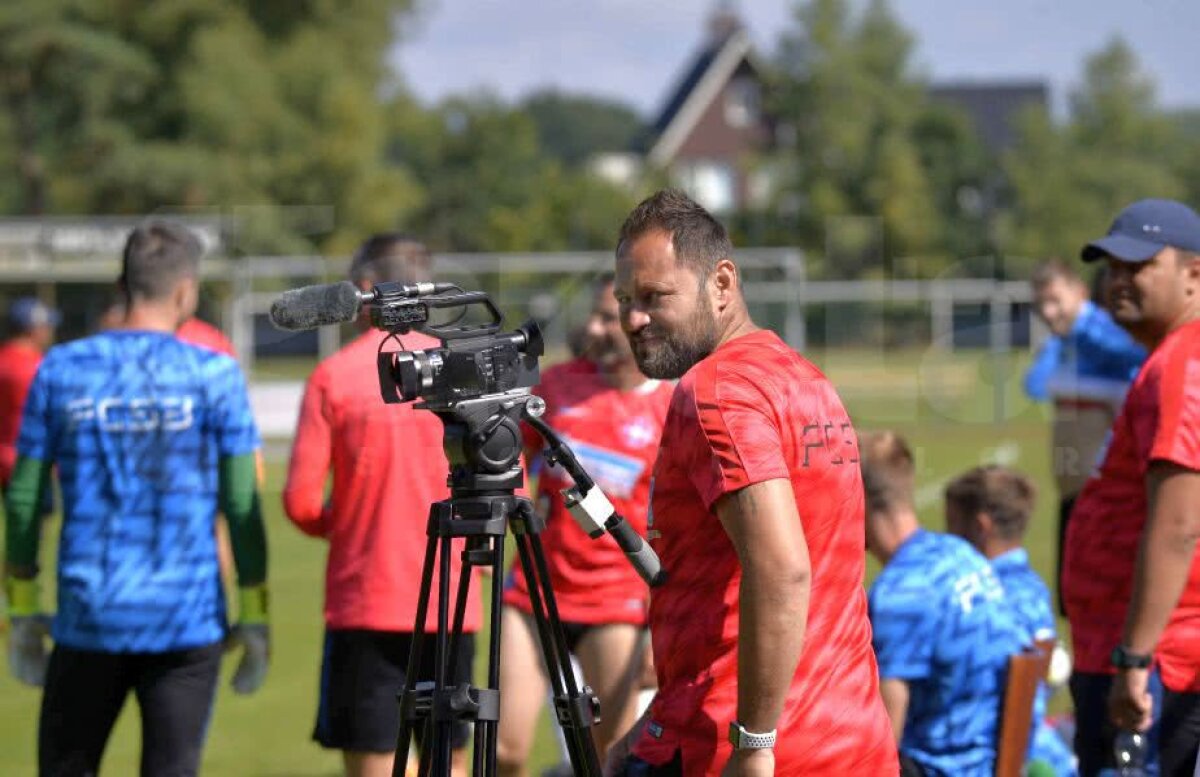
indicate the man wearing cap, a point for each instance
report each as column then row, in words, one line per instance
column 1131, row 581
column 31, row 331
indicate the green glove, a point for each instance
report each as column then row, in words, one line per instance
column 29, row 628
column 253, row 635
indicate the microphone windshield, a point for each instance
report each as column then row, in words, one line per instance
column 314, row 306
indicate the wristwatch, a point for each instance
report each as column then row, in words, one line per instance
column 1123, row 659
column 749, row 740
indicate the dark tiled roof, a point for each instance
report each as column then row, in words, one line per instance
column 993, row 107
column 679, row 95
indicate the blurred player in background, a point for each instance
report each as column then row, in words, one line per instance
column 150, row 436
column 611, row 415
column 1084, row 369
column 943, row 632
column 760, row 635
column 388, row 466
column 990, row 508
column 1131, row 580
column 195, row 331
column 31, row 326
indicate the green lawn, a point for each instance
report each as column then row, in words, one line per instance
column 943, row 404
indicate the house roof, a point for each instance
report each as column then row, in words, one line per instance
column 700, row 84
column 993, row 106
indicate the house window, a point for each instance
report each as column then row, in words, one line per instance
column 711, row 182
column 743, row 102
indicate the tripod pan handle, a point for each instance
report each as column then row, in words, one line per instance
column 637, row 550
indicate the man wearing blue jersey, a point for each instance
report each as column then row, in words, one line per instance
column 990, row 507
column 1084, row 369
column 150, row 437
column 943, row 633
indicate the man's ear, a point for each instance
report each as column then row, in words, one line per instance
column 187, row 296
column 985, row 524
column 725, row 283
column 1189, row 264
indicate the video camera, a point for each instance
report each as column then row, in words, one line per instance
column 475, row 360
column 478, row 383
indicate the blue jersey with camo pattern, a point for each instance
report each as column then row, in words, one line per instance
column 1030, row 599
column 135, row 423
column 941, row 624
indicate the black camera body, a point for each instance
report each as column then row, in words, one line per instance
column 474, row 360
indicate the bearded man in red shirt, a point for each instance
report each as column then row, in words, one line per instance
column 760, row 635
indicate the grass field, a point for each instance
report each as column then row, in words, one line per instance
column 943, row 404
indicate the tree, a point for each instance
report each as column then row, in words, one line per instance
column 1069, row 181
column 245, row 109
column 845, row 93
column 489, row 185
column 571, row 127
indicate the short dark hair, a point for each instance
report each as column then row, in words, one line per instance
column 888, row 471
column 1006, row 495
column 1050, row 270
column 390, row 257
column 700, row 240
column 158, row 254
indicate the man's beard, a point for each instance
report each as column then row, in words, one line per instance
column 674, row 354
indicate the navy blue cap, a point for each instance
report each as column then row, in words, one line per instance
column 1145, row 228
column 27, row 312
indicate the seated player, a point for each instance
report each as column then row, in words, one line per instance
column 943, row 633
column 990, row 507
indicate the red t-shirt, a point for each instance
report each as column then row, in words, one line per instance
column 18, row 364
column 388, row 466
column 205, row 335
column 614, row 435
column 755, row 410
column 1160, row 421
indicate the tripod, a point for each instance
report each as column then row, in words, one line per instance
column 483, row 444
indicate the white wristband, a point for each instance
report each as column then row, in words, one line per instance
column 749, row 740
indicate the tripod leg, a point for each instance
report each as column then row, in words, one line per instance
column 492, row 728
column 404, row 737
column 442, row 729
column 576, row 719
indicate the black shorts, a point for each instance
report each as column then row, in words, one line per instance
column 362, row 673
column 85, row 691
column 575, row 632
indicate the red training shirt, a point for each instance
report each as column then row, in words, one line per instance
column 614, row 435
column 205, row 335
column 18, row 364
column 388, row 466
column 1160, row 421
column 755, row 410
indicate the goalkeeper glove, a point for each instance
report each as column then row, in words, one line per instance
column 254, row 636
column 27, row 657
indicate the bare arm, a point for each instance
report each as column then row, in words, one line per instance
column 762, row 522
column 1165, row 557
column 895, row 701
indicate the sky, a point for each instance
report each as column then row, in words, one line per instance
column 634, row 50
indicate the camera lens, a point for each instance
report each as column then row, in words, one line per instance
column 416, row 371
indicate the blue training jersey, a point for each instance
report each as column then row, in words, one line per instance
column 941, row 624
column 1096, row 360
column 135, row 422
column 1030, row 599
